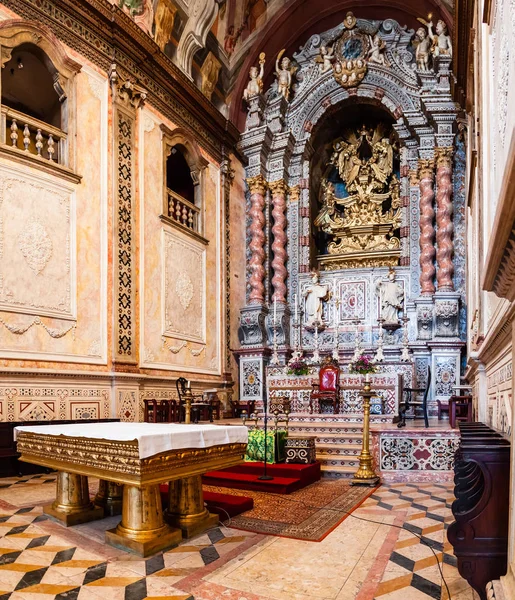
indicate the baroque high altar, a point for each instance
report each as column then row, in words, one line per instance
column 355, row 172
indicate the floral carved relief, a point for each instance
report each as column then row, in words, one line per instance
column 184, row 289
column 35, row 245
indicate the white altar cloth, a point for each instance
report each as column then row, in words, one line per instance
column 153, row 438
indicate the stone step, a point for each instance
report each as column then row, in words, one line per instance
column 330, row 438
column 338, row 460
column 342, row 472
column 338, row 449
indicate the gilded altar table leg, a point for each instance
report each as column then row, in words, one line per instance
column 142, row 529
column 186, row 508
column 109, row 497
column 72, row 504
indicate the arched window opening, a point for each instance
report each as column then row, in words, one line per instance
column 30, row 86
column 35, row 85
column 178, row 175
column 183, row 166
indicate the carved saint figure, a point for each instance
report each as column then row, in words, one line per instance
column 423, row 49
column 441, row 41
column 391, row 296
column 376, row 52
column 314, row 295
column 324, row 59
column 283, row 72
column 255, row 85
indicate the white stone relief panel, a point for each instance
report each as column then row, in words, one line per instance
column 184, row 304
column 37, row 245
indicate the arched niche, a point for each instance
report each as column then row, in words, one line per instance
column 37, row 89
column 185, row 210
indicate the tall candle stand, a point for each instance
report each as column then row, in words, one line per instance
column 379, row 357
column 336, row 349
column 357, row 346
column 316, row 354
column 275, row 354
column 297, row 326
column 365, row 475
column 405, row 355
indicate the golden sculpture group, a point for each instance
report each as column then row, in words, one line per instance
column 363, row 234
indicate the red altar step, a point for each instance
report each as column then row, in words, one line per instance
column 220, row 504
column 287, row 478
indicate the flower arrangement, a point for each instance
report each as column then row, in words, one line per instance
column 362, row 365
column 298, row 367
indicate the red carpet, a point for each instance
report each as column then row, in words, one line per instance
column 287, row 478
column 220, row 504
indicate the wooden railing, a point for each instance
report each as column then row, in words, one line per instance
column 183, row 212
column 33, row 136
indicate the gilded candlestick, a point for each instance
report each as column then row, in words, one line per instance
column 365, row 475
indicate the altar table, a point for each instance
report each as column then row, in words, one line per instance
column 131, row 460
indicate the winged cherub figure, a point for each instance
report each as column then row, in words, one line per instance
column 284, row 71
column 255, row 85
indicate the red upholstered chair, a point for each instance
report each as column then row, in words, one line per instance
column 327, row 389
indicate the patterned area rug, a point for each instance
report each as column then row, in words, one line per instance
column 309, row 514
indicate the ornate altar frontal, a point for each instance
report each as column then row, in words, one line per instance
column 130, row 477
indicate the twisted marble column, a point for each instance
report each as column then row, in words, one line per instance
column 257, row 187
column 427, row 230
column 444, row 210
column 278, row 190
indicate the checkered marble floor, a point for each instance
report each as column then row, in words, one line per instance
column 40, row 559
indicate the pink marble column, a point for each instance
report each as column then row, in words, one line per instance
column 444, row 210
column 278, row 190
column 427, row 230
column 257, row 187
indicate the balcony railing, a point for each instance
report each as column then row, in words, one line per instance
column 32, row 136
column 183, row 212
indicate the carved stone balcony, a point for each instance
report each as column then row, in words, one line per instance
column 29, row 140
column 184, row 215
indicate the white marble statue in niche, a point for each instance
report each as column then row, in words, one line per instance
column 315, row 294
column 391, row 295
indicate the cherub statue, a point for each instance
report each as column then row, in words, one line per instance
column 441, row 42
column 324, row 59
column 376, row 52
column 423, row 49
column 255, row 85
column 283, row 72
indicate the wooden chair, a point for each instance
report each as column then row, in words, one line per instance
column 409, row 402
column 162, row 411
column 238, row 406
column 327, row 389
column 460, row 410
column 200, row 408
column 442, row 407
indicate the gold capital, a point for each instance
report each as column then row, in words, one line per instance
column 444, row 156
column 278, row 187
column 257, row 184
column 294, row 193
column 426, row 168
